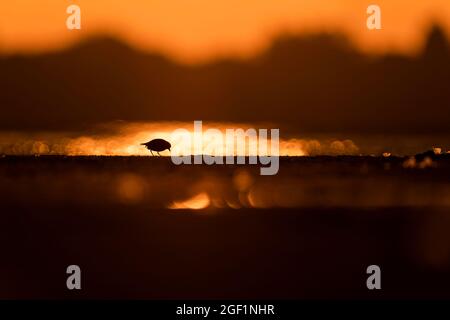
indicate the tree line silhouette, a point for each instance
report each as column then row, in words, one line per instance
column 308, row 83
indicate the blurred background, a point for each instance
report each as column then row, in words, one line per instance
column 361, row 107
column 310, row 68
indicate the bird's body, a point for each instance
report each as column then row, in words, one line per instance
column 157, row 145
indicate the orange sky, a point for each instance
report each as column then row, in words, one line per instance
column 193, row 30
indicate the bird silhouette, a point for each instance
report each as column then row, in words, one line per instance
column 157, row 145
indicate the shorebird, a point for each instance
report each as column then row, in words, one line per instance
column 157, row 145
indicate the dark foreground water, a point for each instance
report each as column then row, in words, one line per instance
column 308, row 232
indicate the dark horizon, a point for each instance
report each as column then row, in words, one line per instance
column 305, row 83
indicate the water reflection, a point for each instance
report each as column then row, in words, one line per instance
column 157, row 183
column 200, row 201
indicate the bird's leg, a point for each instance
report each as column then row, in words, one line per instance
column 158, row 153
column 151, row 152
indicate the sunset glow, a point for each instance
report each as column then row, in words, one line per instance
column 125, row 140
column 197, row 202
column 200, row 29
